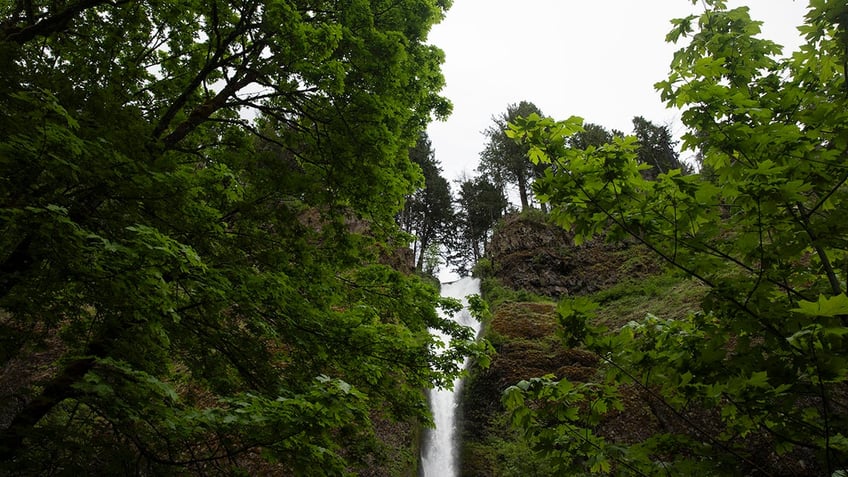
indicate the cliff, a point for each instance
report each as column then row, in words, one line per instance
column 530, row 265
column 527, row 253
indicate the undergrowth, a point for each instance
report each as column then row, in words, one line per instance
column 523, row 336
column 667, row 295
column 496, row 294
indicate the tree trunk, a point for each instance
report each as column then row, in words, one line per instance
column 522, row 192
column 419, row 262
column 59, row 389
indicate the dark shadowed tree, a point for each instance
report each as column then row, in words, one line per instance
column 428, row 214
column 503, row 160
column 481, row 204
column 656, row 148
column 593, row 135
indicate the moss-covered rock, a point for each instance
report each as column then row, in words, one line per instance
column 530, row 263
column 528, row 253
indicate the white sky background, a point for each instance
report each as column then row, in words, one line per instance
column 597, row 59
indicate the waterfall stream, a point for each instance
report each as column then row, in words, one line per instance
column 438, row 452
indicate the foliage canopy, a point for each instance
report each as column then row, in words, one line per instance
column 481, row 205
column 184, row 289
column 428, row 213
column 764, row 230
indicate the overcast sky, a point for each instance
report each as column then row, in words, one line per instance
column 597, row 59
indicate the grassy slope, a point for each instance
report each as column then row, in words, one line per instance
column 524, row 331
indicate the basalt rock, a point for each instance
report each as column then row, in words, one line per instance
column 530, row 254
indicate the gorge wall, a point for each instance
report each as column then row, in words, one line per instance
column 530, row 266
column 527, row 253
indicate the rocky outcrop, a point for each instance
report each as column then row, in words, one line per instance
column 527, row 253
column 524, row 336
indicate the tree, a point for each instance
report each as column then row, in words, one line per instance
column 428, row 213
column 184, row 290
column 656, row 148
column 767, row 355
column 593, row 135
column 503, row 160
column 656, row 145
column 481, row 205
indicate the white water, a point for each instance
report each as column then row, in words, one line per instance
column 438, row 453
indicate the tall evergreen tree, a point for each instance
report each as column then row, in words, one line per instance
column 503, row 160
column 593, row 135
column 428, row 213
column 481, row 204
column 656, row 148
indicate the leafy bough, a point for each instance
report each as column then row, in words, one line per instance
column 760, row 371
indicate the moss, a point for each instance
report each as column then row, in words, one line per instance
column 496, row 294
column 502, row 457
column 664, row 295
column 531, row 320
column 524, row 330
column 483, row 268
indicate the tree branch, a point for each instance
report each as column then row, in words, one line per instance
column 51, row 24
column 59, row 389
column 802, row 218
column 205, row 110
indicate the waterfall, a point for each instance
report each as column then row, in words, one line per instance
column 438, row 452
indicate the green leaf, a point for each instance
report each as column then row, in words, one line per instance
column 836, row 305
column 57, row 209
column 758, row 379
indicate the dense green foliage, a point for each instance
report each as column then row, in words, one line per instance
column 527, row 338
column 591, row 134
column 761, row 370
column 656, row 146
column 186, row 290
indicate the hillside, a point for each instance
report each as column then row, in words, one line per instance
column 532, row 265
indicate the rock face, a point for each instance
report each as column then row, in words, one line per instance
column 525, row 337
column 530, row 254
